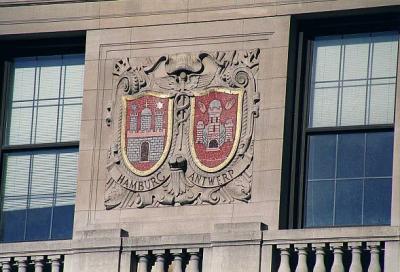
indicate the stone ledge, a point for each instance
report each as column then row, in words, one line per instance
column 233, row 234
column 350, row 234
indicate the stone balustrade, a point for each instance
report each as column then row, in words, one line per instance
column 40, row 263
column 335, row 257
column 371, row 249
column 173, row 260
column 44, row 256
column 174, row 253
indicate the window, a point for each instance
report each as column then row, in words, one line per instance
column 40, row 147
column 349, row 171
column 338, row 166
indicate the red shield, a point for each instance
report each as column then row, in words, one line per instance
column 146, row 131
column 215, row 127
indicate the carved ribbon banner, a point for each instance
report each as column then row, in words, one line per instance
column 183, row 129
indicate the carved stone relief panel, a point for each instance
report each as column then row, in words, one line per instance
column 183, row 129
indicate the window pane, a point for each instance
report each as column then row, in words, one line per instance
column 42, row 179
column 38, row 223
column 322, row 157
column 24, row 79
column 320, row 203
column 356, row 53
column 381, row 103
column 20, row 125
column 324, row 105
column 67, row 173
column 350, row 161
column 74, row 71
column 377, row 201
column 16, row 169
column 41, row 89
column 49, row 69
column 379, row 154
column 327, row 61
column 46, row 124
column 13, row 227
column 70, row 120
column 384, row 55
column 353, row 106
column 63, row 220
column 348, row 202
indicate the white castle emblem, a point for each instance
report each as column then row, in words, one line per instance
column 147, row 143
column 214, row 133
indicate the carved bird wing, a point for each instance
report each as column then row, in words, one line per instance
column 205, row 80
column 199, row 81
column 192, row 82
column 167, row 83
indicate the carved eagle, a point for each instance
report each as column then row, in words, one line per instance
column 193, row 81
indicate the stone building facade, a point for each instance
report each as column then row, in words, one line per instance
column 312, row 184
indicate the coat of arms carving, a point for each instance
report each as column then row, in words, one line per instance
column 183, row 129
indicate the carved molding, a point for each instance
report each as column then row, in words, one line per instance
column 197, row 165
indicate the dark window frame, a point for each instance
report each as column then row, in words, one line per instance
column 30, row 46
column 304, row 28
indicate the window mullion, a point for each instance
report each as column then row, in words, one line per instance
column 340, row 84
column 35, row 108
column 38, row 147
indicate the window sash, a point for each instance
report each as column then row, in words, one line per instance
column 50, row 92
column 336, row 92
column 338, row 167
column 36, row 185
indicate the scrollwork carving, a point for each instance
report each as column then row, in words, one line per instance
column 221, row 92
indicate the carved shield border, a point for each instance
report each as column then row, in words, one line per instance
column 232, row 153
column 124, row 100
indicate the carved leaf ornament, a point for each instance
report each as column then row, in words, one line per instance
column 183, row 129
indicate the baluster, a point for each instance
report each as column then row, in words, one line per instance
column 143, row 261
column 284, row 266
column 38, row 262
column 22, row 263
column 337, row 257
column 177, row 263
column 160, row 260
column 319, row 258
column 355, row 257
column 302, row 259
column 374, row 265
column 5, row 264
column 194, row 261
column 55, row 261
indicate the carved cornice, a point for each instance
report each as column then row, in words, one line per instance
column 16, row 3
column 139, row 13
